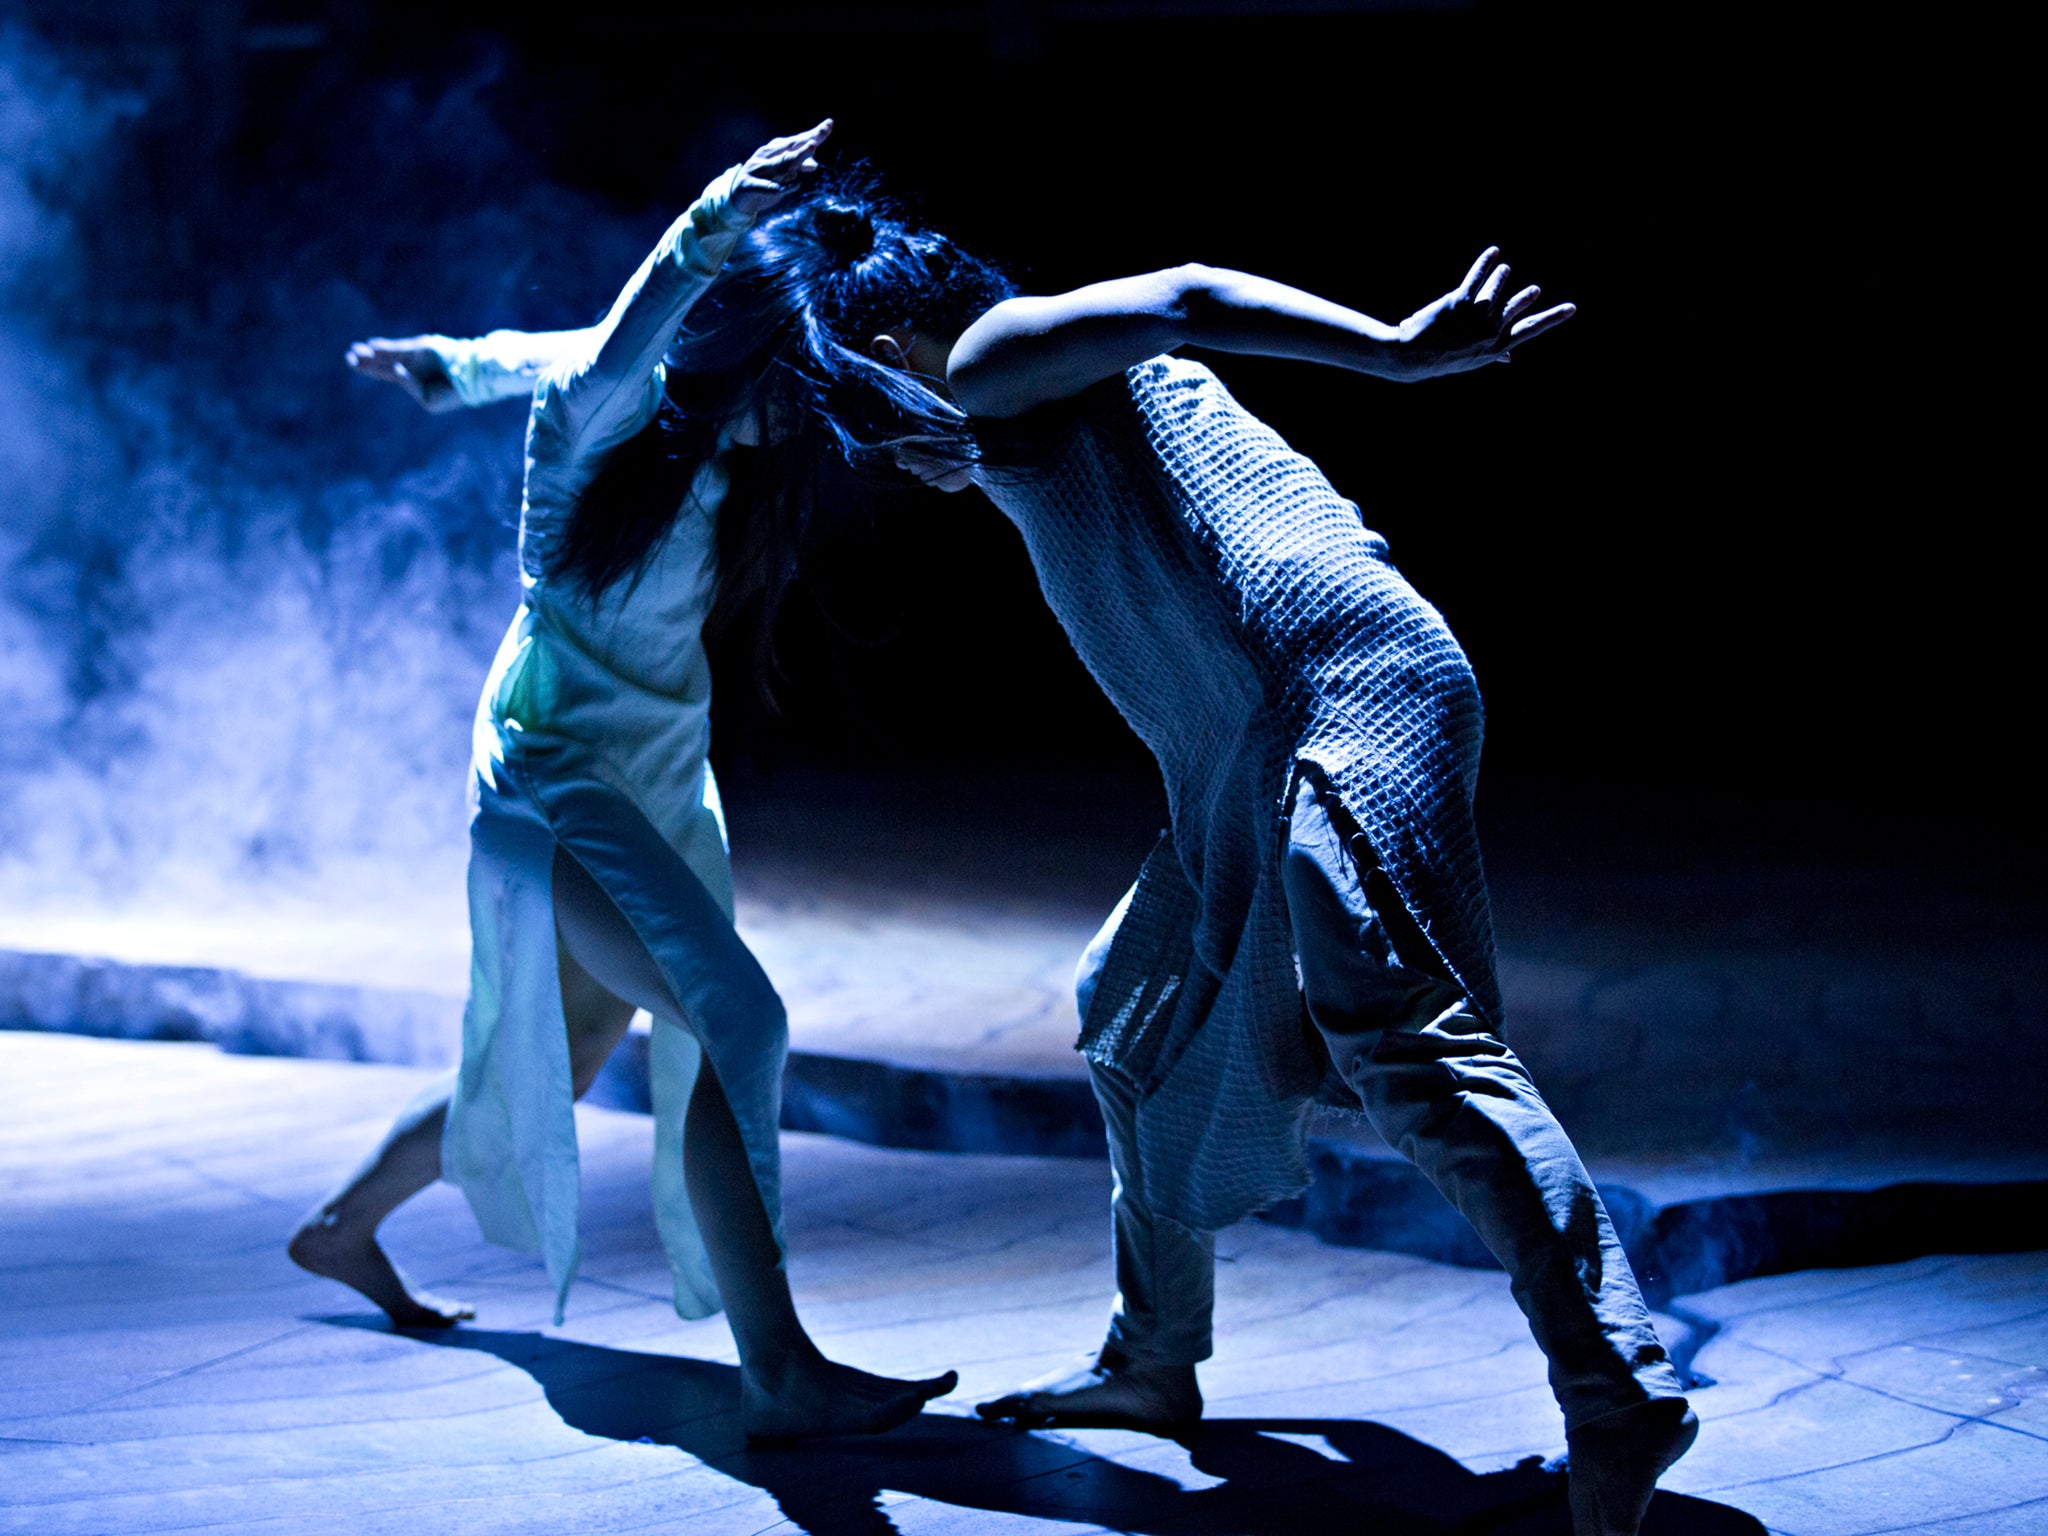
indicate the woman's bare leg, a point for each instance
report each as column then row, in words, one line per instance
column 339, row 1238
column 788, row 1388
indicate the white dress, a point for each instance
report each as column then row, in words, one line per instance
column 591, row 735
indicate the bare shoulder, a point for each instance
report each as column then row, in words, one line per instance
column 976, row 370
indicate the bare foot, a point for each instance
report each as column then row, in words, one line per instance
column 822, row 1397
column 326, row 1248
column 1110, row 1392
column 1614, row 1462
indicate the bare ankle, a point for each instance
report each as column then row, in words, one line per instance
column 1162, row 1374
column 775, row 1366
column 318, row 1230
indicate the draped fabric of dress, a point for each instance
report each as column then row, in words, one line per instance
column 591, row 736
column 1250, row 628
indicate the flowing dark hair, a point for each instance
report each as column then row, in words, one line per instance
column 778, row 344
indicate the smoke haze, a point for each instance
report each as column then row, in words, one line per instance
column 248, row 600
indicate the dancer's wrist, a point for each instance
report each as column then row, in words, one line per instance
column 720, row 209
column 1406, row 355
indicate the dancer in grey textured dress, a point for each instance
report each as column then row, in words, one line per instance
column 1318, row 728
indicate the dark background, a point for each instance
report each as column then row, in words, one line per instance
column 1747, row 532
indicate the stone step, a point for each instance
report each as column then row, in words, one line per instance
column 1691, row 1219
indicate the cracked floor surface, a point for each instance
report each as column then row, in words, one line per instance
column 165, row 1368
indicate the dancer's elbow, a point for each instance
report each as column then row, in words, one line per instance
column 1206, row 301
column 1196, row 290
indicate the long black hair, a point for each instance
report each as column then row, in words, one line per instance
column 775, row 350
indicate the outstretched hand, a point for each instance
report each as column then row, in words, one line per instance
column 777, row 169
column 1473, row 324
column 411, row 364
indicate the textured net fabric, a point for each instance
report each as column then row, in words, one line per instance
column 1249, row 627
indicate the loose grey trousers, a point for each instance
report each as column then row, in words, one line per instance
column 1444, row 1091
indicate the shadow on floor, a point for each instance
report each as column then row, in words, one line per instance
column 1374, row 1477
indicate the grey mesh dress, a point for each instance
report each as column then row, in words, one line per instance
column 1249, row 627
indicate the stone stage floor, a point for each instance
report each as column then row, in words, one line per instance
column 163, row 1367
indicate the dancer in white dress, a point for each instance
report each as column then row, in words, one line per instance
column 598, row 874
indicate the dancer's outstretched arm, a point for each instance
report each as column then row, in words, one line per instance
column 1027, row 351
column 443, row 373
column 598, row 364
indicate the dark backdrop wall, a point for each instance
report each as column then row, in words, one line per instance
column 1745, row 529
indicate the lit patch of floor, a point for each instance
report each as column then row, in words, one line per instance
column 164, row 1367
column 949, row 983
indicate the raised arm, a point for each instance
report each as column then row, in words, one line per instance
column 598, row 364
column 443, row 373
column 1028, row 351
column 611, row 392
